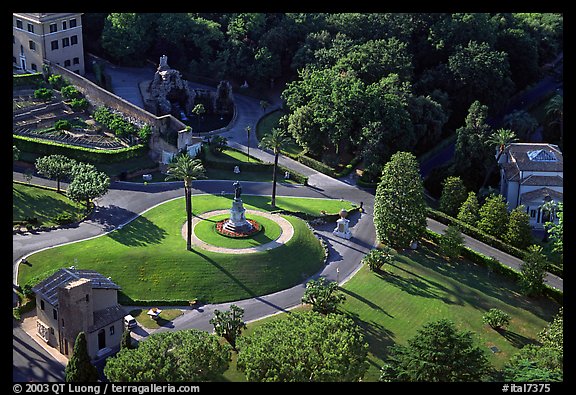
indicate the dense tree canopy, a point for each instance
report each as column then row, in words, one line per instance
column 440, row 352
column 399, row 206
column 334, row 62
column 184, row 355
column 304, row 347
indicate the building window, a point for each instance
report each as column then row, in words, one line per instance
column 41, row 304
column 74, row 40
column 65, row 42
column 55, row 315
column 87, row 298
column 64, row 25
column 62, row 322
column 76, row 61
column 19, row 24
column 72, row 23
column 32, row 45
column 112, row 330
column 532, row 213
column 34, row 67
column 53, row 28
column 67, row 63
column 31, row 28
column 54, row 45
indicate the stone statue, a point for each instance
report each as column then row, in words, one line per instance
column 163, row 63
column 237, row 190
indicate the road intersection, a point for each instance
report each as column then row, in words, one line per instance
column 125, row 201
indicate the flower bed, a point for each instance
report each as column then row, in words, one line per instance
column 256, row 227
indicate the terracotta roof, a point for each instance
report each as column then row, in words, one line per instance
column 48, row 288
column 538, row 195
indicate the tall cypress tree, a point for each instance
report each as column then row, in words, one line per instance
column 399, row 205
column 79, row 369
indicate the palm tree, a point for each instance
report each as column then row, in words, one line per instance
column 248, row 130
column 183, row 167
column 274, row 141
column 501, row 138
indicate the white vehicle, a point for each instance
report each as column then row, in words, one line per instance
column 130, row 321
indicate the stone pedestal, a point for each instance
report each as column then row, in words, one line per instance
column 237, row 221
column 342, row 228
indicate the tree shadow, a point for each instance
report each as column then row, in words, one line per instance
column 366, row 301
column 515, row 339
column 140, row 232
column 378, row 337
column 473, row 280
column 417, row 285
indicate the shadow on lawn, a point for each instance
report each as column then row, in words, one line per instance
column 237, row 282
column 515, row 339
column 472, row 280
column 140, row 232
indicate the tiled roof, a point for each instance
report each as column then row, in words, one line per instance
column 107, row 316
column 538, row 195
column 48, row 288
column 542, row 157
column 545, row 181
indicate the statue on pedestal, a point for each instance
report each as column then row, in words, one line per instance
column 237, row 190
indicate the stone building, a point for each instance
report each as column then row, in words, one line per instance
column 56, row 37
column 73, row 301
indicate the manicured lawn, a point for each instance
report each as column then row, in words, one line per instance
column 149, row 260
column 42, row 203
column 146, row 321
column 420, row 287
column 270, row 121
column 206, row 231
column 232, row 156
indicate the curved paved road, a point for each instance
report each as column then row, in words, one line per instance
column 125, row 201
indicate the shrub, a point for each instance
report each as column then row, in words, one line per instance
column 496, row 318
column 377, row 258
column 70, row 92
column 79, row 104
column 43, row 94
column 62, row 124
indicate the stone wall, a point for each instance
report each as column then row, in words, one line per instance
column 98, row 96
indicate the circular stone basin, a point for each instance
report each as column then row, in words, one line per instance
column 206, row 231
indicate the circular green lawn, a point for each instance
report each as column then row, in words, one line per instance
column 206, row 231
column 148, row 258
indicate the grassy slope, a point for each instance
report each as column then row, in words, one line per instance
column 149, row 260
column 420, row 287
column 44, row 204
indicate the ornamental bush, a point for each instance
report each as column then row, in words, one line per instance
column 496, row 318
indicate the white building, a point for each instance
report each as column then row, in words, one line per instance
column 532, row 174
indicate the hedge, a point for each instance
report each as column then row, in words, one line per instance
column 497, row 267
column 316, row 165
column 484, row 237
column 27, row 80
column 83, row 154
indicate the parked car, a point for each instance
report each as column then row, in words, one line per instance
column 130, row 322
